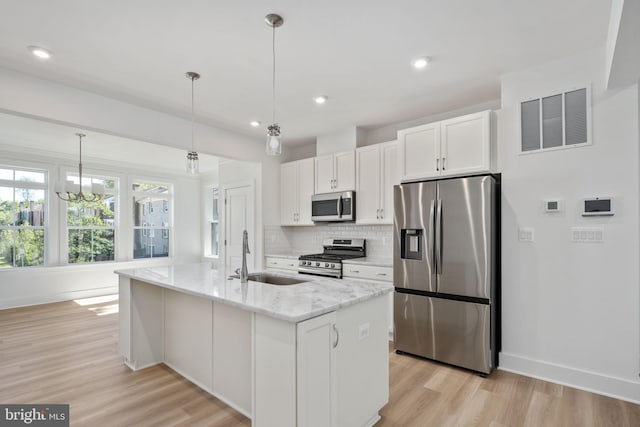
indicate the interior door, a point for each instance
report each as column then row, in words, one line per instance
column 238, row 217
column 467, row 245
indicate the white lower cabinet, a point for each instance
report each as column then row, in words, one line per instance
column 343, row 366
column 284, row 264
column 318, row 339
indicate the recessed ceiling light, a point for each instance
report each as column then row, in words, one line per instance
column 320, row 99
column 39, row 52
column 255, row 123
column 421, row 62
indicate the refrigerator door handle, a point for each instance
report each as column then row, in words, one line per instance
column 431, row 246
column 438, row 247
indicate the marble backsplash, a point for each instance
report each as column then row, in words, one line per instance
column 308, row 239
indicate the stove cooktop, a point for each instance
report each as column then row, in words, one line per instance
column 328, row 257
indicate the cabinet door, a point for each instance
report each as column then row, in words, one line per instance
column 344, row 171
column 420, row 151
column 390, row 177
column 368, row 184
column 324, row 174
column 466, row 144
column 316, row 371
column 288, row 193
column 305, row 191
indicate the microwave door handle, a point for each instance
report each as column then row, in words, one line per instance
column 340, row 207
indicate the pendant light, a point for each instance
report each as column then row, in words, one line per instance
column 274, row 142
column 192, row 156
column 73, row 192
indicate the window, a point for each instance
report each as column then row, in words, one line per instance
column 556, row 121
column 151, row 213
column 215, row 220
column 91, row 226
column 22, row 217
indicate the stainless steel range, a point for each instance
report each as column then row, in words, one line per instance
column 329, row 262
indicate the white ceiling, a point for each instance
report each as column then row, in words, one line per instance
column 357, row 52
column 52, row 139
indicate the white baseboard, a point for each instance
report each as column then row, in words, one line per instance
column 594, row 382
column 62, row 296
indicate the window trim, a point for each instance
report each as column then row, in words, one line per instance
column 148, row 230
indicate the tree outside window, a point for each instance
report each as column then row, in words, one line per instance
column 22, row 217
column 91, row 225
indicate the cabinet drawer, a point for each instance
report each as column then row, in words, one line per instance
column 282, row 263
column 384, row 274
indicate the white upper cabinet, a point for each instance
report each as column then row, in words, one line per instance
column 457, row 146
column 296, row 188
column 335, row 172
column 376, row 174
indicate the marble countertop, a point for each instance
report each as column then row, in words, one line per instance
column 293, row 303
column 374, row 262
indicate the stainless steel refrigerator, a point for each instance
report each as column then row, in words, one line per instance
column 444, row 268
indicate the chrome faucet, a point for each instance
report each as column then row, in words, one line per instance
column 244, row 274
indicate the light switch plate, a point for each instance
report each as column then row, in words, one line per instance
column 525, row 234
column 587, row 234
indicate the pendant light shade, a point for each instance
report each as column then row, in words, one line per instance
column 192, row 156
column 274, row 141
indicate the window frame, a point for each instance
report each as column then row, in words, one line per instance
column 45, row 187
column 64, row 225
column 149, row 229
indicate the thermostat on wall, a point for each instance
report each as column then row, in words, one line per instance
column 598, row 206
column 553, row 205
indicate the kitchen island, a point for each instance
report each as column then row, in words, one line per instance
column 309, row 354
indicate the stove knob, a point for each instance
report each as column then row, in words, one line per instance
column 326, row 265
column 317, row 264
column 333, row 266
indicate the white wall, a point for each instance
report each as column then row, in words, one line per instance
column 57, row 281
column 570, row 311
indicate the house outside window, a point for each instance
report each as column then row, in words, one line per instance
column 23, row 204
column 151, row 219
column 91, row 226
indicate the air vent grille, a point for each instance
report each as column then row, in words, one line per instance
column 556, row 121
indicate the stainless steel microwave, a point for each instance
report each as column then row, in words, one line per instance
column 329, row 207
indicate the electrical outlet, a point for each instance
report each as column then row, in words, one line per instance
column 587, row 234
column 363, row 331
column 525, row 234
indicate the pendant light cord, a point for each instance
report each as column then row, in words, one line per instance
column 192, row 112
column 273, row 51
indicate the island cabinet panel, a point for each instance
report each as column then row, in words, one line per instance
column 232, row 357
column 363, row 349
column 188, row 337
column 317, row 342
column 144, row 329
column 274, row 364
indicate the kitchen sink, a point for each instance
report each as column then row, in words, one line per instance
column 271, row 279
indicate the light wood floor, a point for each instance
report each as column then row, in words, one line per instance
column 67, row 353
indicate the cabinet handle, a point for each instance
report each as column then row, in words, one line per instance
column 381, row 274
column 377, row 213
column 437, row 164
column 292, row 265
column 355, row 271
column 443, row 161
column 335, row 329
column 381, row 213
